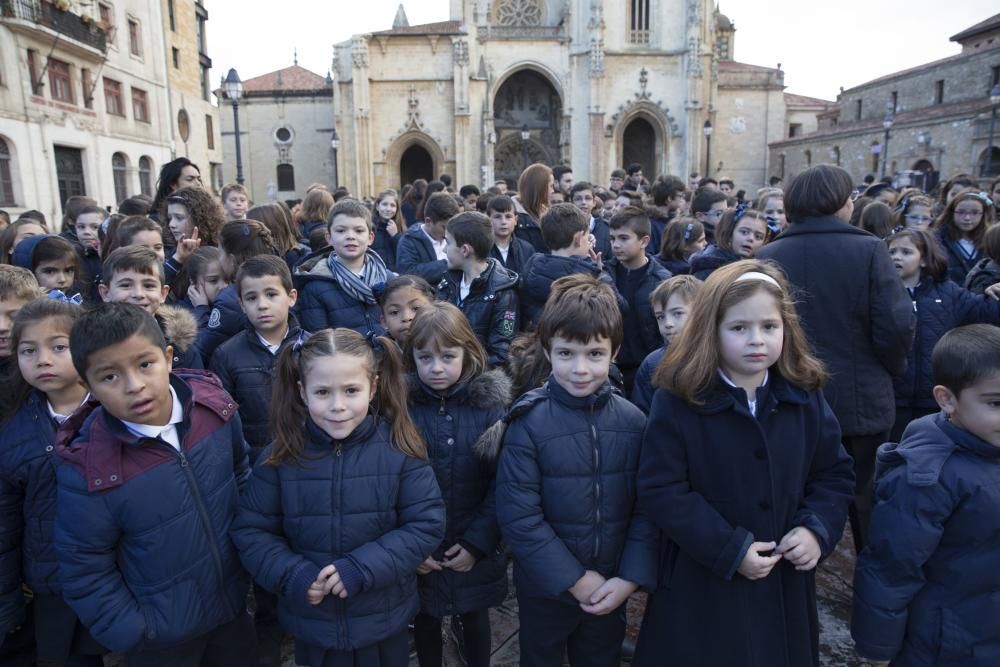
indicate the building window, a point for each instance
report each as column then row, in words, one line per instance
column 210, row 131
column 119, row 168
column 60, row 82
column 286, row 178
column 36, row 84
column 6, row 184
column 200, row 25
column 638, row 22
column 876, row 151
column 205, row 92
column 809, row 158
column 140, row 105
column 857, row 110
column 794, row 129
column 107, row 13
column 113, row 102
column 996, row 77
column 170, row 16
column 134, row 38
column 146, row 176
column 939, row 91
column 87, row 81
column 895, row 101
column 176, row 53
column 781, row 166
column 183, row 125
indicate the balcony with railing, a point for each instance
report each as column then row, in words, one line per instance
column 638, row 37
column 46, row 20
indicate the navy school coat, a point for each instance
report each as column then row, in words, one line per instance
column 324, row 304
column 715, row 479
column 491, row 307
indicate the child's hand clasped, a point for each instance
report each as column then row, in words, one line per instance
column 800, row 548
column 327, row 583
column 754, row 565
column 459, row 559
column 428, row 566
column 586, row 586
column 609, row 596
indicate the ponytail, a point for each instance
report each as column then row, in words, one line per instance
column 391, row 400
column 288, row 412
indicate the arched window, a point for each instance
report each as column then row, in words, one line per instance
column 6, row 184
column 146, row 176
column 119, row 167
column 638, row 22
column 286, row 178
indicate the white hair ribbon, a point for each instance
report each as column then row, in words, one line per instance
column 757, row 275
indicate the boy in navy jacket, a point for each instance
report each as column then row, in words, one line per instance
column 925, row 588
column 566, row 486
column 507, row 249
column 146, row 495
column 421, row 251
column 480, row 286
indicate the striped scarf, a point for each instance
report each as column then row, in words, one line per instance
column 360, row 287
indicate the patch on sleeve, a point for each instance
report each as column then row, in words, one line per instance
column 507, row 324
column 215, row 319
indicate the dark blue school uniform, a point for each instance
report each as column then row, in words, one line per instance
column 415, row 255
column 324, row 304
column 517, row 254
column 491, row 307
column 541, row 271
column 710, row 259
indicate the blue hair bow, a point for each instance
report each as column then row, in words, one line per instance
column 59, row 295
column 741, row 209
column 300, row 341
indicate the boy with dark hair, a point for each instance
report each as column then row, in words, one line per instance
column 134, row 274
column 636, row 275
column 582, row 196
column 507, row 248
column 480, row 286
column 562, row 175
column 727, row 187
column 18, row 286
column 617, row 181
column 470, row 196
column 563, row 440
column 564, row 230
column 708, row 182
column 337, row 286
column 925, row 584
column 634, row 181
column 671, row 302
column 147, row 492
column 707, row 207
column 421, row 250
column 668, row 199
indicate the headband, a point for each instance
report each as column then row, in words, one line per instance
column 757, row 275
column 59, row 295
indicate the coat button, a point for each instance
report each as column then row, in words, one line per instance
column 225, row 412
column 48, row 448
column 764, row 505
column 760, row 453
column 447, row 418
column 97, row 482
column 114, row 478
column 451, row 441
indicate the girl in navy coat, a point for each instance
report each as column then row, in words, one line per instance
column 940, row 305
column 343, row 507
column 682, row 238
column 960, row 230
column 743, row 471
column 46, row 390
column 453, row 401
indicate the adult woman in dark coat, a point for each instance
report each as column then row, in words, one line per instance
column 855, row 312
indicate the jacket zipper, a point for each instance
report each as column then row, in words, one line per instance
column 597, row 484
column 338, row 452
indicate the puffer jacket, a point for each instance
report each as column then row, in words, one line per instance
column 246, row 369
column 324, row 304
column 958, row 264
column 416, row 256
column 602, row 237
column 225, row 320
column 359, row 503
column 465, row 466
column 940, row 307
column 710, row 259
column 643, row 389
column 384, row 244
column 491, row 307
column 180, row 328
column 926, row 586
column 28, row 505
column 676, row 267
column 541, row 271
column 142, row 530
column 982, row 275
column 527, row 229
column 517, row 254
column 642, row 334
column 566, row 491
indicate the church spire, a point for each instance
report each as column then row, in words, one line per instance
column 400, row 21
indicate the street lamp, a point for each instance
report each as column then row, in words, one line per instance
column 995, row 101
column 887, row 124
column 334, row 144
column 525, row 135
column 234, row 91
column 708, row 147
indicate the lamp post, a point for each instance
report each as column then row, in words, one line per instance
column 887, row 124
column 995, row 101
column 707, row 129
column 525, row 135
column 334, row 145
column 234, row 91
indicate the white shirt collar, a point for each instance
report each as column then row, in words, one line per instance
column 166, row 433
column 61, row 418
column 752, row 402
column 273, row 349
column 439, row 246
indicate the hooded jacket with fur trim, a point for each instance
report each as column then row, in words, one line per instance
column 181, row 331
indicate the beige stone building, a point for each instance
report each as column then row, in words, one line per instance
column 939, row 113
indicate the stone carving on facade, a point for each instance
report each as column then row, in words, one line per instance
column 359, row 53
column 460, row 49
column 694, row 68
column 694, row 12
column 737, row 125
column 596, row 57
column 519, row 12
column 414, row 123
column 642, row 101
column 596, row 15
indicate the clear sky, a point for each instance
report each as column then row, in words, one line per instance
column 820, row 45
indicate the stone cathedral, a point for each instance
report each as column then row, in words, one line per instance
column 595, row 84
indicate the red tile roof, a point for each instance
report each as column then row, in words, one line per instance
column 440, row 28
column 290, row 79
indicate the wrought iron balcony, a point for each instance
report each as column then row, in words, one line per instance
column 36, row 14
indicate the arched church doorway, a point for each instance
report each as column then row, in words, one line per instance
column 928, row 178
column 415, row 163
column 639, row 145
column 526, row 103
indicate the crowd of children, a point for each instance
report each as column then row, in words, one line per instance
column 224, row 423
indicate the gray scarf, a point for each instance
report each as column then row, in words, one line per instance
column 373, row 274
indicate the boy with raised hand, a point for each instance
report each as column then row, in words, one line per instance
column 480, row 286
column 134, row 274
column 152, row 469
column 925, row 586
column 566, row 487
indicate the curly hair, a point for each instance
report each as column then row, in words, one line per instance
column 205, row 212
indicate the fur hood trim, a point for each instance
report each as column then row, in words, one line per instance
column 179, row 326
column 488, row 390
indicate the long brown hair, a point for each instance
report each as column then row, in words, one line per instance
column 691, row 364
column 440, row 324
column 203, row 209
column 278, row 222
column 398, row 218
column 289, row 412
column 533, row 189
column 946, row 221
